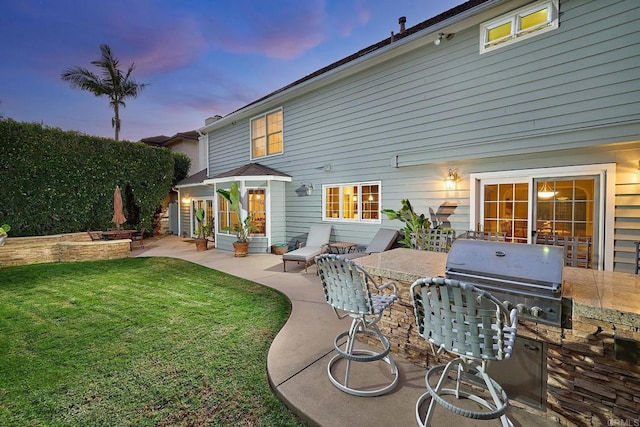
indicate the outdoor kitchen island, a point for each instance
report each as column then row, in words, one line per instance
column 584, row 372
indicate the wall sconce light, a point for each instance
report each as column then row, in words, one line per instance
column 442, row 36
column 308, row 188
column 451, row 180
column 186, row 200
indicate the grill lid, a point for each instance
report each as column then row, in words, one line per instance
column 531, row 266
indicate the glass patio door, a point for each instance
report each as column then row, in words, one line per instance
column 562, row 206
column 567, row 207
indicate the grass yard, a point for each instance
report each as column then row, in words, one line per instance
column 135, row 342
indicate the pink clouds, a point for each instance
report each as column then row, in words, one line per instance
column 288, row 32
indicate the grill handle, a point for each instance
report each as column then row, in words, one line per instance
column 554, row 287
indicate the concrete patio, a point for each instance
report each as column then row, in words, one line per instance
column 298, row 357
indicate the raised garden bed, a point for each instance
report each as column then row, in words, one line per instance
column 60, row 248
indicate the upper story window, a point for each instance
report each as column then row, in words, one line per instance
column 266, row 134
column 519, row 24
column 351, row 202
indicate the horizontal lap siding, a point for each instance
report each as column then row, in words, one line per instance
column 448, row 106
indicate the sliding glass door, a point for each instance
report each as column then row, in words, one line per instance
column 528, row 204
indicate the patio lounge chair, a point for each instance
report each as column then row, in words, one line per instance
column 382, row 241
column 317, row 241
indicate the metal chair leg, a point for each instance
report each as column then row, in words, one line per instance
column 353, row 355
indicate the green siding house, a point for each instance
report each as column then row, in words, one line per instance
column 498, row 115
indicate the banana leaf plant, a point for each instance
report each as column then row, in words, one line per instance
column 202, row 230
column 415, row 226
column 244, row 227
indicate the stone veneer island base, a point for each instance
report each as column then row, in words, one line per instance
column 590, row 368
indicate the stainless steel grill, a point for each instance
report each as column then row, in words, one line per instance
column 528, row 277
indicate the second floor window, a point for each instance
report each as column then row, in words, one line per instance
column 519, row 24
column 352, row 202
column 266, row 135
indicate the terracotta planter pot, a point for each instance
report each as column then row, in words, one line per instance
column 241, row 248
column 279, row 249
column 201, row 244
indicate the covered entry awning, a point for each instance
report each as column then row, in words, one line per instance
column 249, row 172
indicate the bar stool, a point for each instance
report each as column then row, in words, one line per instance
column 473, row 325
column 347, row 288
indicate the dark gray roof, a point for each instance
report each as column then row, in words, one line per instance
column 196, row 178
column 251, row 169
column 162, row 140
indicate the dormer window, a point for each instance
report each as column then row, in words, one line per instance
column 519, row 24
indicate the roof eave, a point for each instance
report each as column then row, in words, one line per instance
column 213, row 181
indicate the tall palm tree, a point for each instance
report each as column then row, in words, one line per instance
column 112, row 83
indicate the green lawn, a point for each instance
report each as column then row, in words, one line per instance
column 138, row 341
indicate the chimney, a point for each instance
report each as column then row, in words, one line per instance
column 402, row 20
column 210, row 120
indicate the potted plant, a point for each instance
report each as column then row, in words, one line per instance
column 244, row 227
column 3, row 233
column 202, row 231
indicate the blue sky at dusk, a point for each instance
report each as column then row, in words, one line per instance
column 201, row 58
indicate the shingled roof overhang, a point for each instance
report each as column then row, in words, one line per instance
column 249, row 172
column 455, row 19
column 192, row 180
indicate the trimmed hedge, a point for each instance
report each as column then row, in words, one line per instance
column 54, row 181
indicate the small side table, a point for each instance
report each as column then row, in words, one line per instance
column 342, row 247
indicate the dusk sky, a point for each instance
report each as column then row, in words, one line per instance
column 201, row 58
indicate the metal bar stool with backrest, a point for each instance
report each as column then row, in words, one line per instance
column 577, row 250
column 348, row 289
column 433, row 240
column 470, row 323
column 493, row 236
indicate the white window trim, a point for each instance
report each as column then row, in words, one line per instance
column 192, row 201
column 266, row 142
column 267, row 208
column 351, row 221
column 516, row 35
column 606, row 171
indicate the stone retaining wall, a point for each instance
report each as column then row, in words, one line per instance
column 60, row 248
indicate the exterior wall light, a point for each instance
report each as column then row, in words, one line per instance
column 442, row 36
column 186, row 200
column 451, row 180
column 308, row 188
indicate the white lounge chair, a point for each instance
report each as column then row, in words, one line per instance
column 316, row 244
column 382, row 241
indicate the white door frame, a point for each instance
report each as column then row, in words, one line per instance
column 606, row 204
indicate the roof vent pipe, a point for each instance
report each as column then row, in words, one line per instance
column 402, row 20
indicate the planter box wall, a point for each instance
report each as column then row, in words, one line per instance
column 60, row 248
